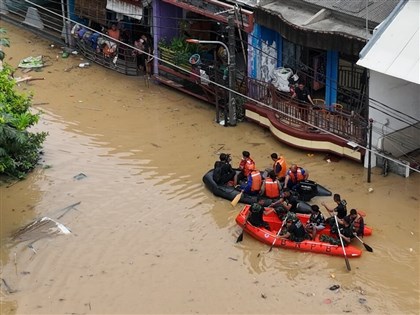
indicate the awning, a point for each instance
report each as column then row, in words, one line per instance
column 125, row 8
column 394, row 48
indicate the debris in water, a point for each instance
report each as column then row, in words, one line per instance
column 79, row 176
column 370, row 189
column 334, row 287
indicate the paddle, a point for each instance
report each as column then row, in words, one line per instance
column 342, row 244
column 278, row 233
column 241, row 236
column 235, row 200
column 368, row 248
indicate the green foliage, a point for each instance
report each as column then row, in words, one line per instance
column 3, row 42
column 19, row 148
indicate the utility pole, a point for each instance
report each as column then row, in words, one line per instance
column 370, row 150
column 232, row 65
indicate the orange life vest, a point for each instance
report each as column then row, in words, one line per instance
column 249, row 166
column 296, row 177
column 256, row 180
column 271, row 188
column 356, row 223
column 283, row 165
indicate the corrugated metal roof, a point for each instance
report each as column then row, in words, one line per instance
column 377, row 10
column 394, row 49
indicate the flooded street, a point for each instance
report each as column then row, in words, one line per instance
column 149, row 238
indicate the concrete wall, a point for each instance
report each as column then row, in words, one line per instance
column 404, row 98
column 394, row 107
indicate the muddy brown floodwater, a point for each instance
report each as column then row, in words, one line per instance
column 148, row 237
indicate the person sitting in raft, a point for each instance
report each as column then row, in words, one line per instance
column 256, row 212
column 294, row 231
column 271, row 186
column 340, row 211
column 223, row 171
column 287, row 203
column 246, row 165
column 316, row 222
column 346, row 231
column 279, row 166
column 357, row 221
column 294, row 176
column 253, row 183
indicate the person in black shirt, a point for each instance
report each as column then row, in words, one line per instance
column 256, row 214
column 341, row 210
column 223, row 171
column 316, row 222
column 304, row 98
column 295, row 231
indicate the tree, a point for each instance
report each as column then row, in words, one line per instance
column 19, row 149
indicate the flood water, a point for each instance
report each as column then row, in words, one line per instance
column 149, row 238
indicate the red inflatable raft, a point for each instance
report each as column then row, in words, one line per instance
column 315, row 246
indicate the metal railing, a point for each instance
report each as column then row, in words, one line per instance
column 348, row 125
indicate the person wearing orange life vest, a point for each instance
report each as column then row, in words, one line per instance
column 253, row 184
column 295, row 175
column 271, row 186
column 357, row 221
column 279, row 166
column 246, row 165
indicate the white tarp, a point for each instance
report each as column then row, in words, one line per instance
column 394, row 50
column 125, row 8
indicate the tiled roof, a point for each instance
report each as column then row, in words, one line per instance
column 377, row 10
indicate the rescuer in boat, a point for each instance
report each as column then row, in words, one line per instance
column 357, row 221
column 223, row 171
column 340, row 211
column 256, row 214
column 287, row 203
column 294, row 231
column 279, row 166
column 253, row 183
column 294, row 176
column 271, row 186
column 346, row 231
column 246, row 165
column 316, row 222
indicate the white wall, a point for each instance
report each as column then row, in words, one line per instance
column 403, row 96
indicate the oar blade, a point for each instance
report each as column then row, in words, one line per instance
column 240, row 237
column 347, row 263
column 368, row 248
column 235, row 200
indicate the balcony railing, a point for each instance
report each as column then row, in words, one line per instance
column 338, row 121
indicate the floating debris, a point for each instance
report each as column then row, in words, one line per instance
column 79, row 176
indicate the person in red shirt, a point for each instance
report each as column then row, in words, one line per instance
column 114, row 32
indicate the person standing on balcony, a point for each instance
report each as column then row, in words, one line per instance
column 304, row 98
column 114, row 32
